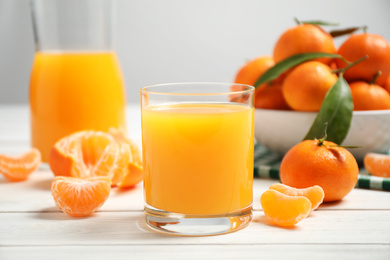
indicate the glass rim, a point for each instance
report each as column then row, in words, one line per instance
column 247, row 90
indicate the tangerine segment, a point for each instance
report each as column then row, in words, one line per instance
column 94, row 145
column 19, row 168
column 377, row 164
column 315, row 193
column 284, row 210
column 120, row 136
column 134, row 176
column 80, row 197
column 113, row 162
column 75, row 154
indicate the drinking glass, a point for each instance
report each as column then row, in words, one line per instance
column 76, row 81
column 198, row 144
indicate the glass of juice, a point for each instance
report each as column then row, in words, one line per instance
column 76, row 81
column 198, row 144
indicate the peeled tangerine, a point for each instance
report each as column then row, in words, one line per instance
column 96, row 153
column 286, row 206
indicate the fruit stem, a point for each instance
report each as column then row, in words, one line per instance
column 324, row 135
column 297, row 21
column 350, row 64
column 375, row 77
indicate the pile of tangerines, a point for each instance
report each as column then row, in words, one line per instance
column 318, row 170
column 304, row 87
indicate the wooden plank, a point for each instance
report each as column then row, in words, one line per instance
column 265, row 251
column 129, row 228
column 34, row 195
column 14, row 122
column 14, row 147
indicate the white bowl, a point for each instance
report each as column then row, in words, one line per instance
column 280, row 130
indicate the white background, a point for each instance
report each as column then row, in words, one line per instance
column 160, row 41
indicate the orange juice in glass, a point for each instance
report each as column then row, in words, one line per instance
column 76, row 81
column 198, row 157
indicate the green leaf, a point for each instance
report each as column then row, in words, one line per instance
column 337, row 110
column 316, row 22
column 284, row 65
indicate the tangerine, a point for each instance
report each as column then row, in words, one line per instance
column 112, row 163
column 20, row 167
column 252, row 70
column 306, row 86
column 80, row 197
column 119, row 137
column 134, row 176
column 303, row 38
column 94, row 153
column 387, row 84
column 367, row 96
column 284, row 210
column 322, row 163
column 377, row 164
column 270, row 96
column 315, row 194
column 359, row 45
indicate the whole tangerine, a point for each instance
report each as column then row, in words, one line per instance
column 322, row 163
column 306, row 86
column 270, row 96
column 252, row 70
column 378, row 50
column 303, row 38
column 368, row 96
column 387, row 84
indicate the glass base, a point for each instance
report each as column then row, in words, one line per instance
column 197, row 225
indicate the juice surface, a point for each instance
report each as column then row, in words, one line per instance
column 71, row 92
column 198, row 158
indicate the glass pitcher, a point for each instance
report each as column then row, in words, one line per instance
column 76, row 81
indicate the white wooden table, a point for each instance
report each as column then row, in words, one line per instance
column 31, row 227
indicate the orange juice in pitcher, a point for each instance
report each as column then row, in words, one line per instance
column 76, row 81
column 71, row 92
